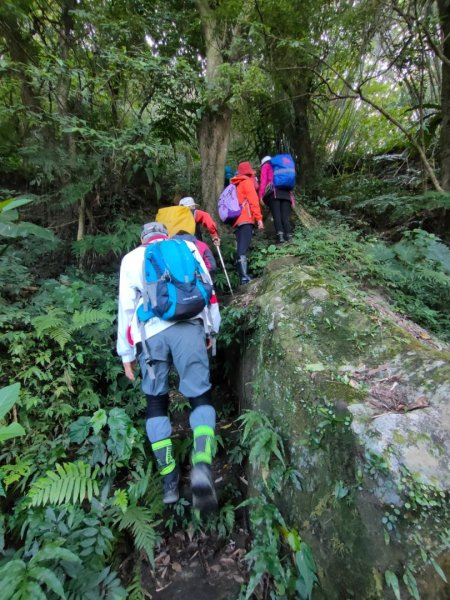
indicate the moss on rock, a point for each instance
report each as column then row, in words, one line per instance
column 318, row 365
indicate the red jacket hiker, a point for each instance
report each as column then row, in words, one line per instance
column 205, row 220
column 202, row 219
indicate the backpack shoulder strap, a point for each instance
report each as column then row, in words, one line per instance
column 152, row 255
column 156, row 258
column 183, row 248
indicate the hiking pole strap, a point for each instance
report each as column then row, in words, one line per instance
column 145, row 350
column 224, row 269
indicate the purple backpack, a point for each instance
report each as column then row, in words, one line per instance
column 228, row 205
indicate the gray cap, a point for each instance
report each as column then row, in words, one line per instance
column 151, row 229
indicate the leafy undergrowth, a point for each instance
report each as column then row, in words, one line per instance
column 388, row 203
column 413, row 273
column 82, row 514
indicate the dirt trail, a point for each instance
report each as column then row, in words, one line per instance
column 202, row 562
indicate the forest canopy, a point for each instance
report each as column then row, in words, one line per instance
column 104, row 105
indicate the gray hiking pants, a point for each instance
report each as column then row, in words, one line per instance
column 184, row 346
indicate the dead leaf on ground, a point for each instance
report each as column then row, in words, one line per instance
column 190, row 532
column 227, row 561
column 161, row 588
column 424, row 335
column 420, row 402
column 160, row 557
column 378, row 369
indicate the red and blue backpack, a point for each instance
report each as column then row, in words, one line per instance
column 284, row 175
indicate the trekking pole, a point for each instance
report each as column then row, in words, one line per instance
column 224, row 270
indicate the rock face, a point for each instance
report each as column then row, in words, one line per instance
column 363, row 404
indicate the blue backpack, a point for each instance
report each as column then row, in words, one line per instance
column 228, row 205
column 283, row 171
column 176, row 286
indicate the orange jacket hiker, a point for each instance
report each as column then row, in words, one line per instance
column 248, row 199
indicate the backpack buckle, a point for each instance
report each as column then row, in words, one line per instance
column 151, row 371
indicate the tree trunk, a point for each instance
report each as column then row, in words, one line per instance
column 301, row 142
column 215, row 125
column 81, row 219
column 62, row 97
column 444, row 14
column 297, row 89
column 21, row 50
column 213, row 136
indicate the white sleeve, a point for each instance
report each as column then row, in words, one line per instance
column 128, row 297
column 214, row 315
column 211, row 314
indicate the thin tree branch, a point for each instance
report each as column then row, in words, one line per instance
column 359, row 92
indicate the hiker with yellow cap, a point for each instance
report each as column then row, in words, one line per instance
column 202, row 219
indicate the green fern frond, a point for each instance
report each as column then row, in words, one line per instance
column 379, row 204
column 135, row 590
column 432, row 278
column 139, row 520
column 60, row 336
column 123, row 239
column 260, row 436
column 89, row 316
column 121, row 500
column 399, row 208
column 73, row 482
column 143, row 481
column 55, row 317
column 54, row 325
column 15, row 472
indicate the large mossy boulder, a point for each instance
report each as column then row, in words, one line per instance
column 362, row 399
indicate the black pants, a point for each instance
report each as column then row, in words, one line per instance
column 281, row 211
column 243, row 238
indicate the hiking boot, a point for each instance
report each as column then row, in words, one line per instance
column 203, row 492
column 242, row 266
column 170, row 487
column 289, row 237
column 280, row 237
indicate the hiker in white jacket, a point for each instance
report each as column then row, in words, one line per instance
column 183, row 344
